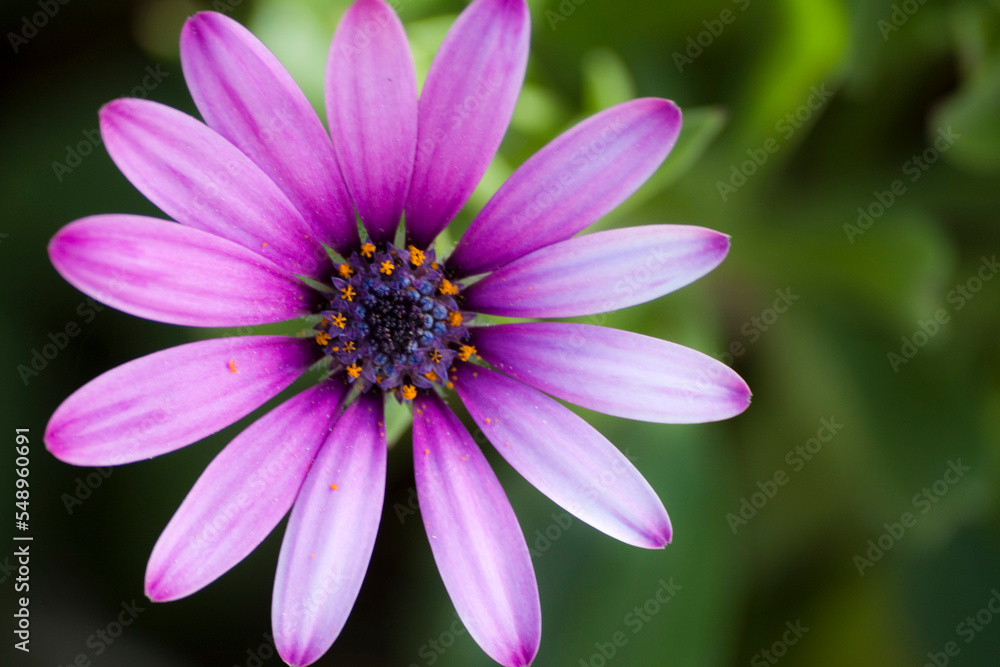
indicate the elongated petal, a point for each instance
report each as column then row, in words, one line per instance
column 571, row 183
column 331, row 535
column 242, row 495
column 477, row 543
column 599, row 272
column 564, row 457
column 465, row 107
column 203, row 181
column 615, row 372
column 246, row 95
column 170, row 273
column 371, row 103
column 169, row 399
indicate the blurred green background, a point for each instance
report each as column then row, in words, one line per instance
column 798, row 113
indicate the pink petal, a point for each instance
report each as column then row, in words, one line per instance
column 615, row 372
column 599, row 272
column 582, row 175
column 170, row 273
column 371, row 102
column 243, row 494
column 465, row 107
column 203, row 181
column 169, row 399
column 246, row 95
column 477, row 543
column 331, row 535
column 564, row 457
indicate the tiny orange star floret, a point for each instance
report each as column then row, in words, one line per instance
column 354, row 370
column 416, row 255
column 409, row 392
column 345, row 270
column 386, row 267
column 348, row 293
column 466, row 351
column 455, row 318
column 448, row 287
column 368, row 249
column 322, row 338
column 340, row 320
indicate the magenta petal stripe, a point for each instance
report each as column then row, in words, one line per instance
column 616, row 372
column 331, row 535
column 564, row 457
column 465, row 108
column 201, row 180
column 477, row 543
column 246, row 95
column 243, row 494
column 170, row 273
column 169, row 399
column 579, row 177
column 599, row 272
column 371, row 102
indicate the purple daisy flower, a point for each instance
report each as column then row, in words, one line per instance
column 262, row 193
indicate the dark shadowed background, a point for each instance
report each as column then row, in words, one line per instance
column 851, row 149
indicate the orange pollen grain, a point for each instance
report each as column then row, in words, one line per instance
column 431, row 375
column 454, row 318
column 409, row 392
column 448, row 287
column 416, row 255
column 232, row 366
column 466, row 351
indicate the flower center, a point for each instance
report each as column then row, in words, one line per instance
column 393, row 320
